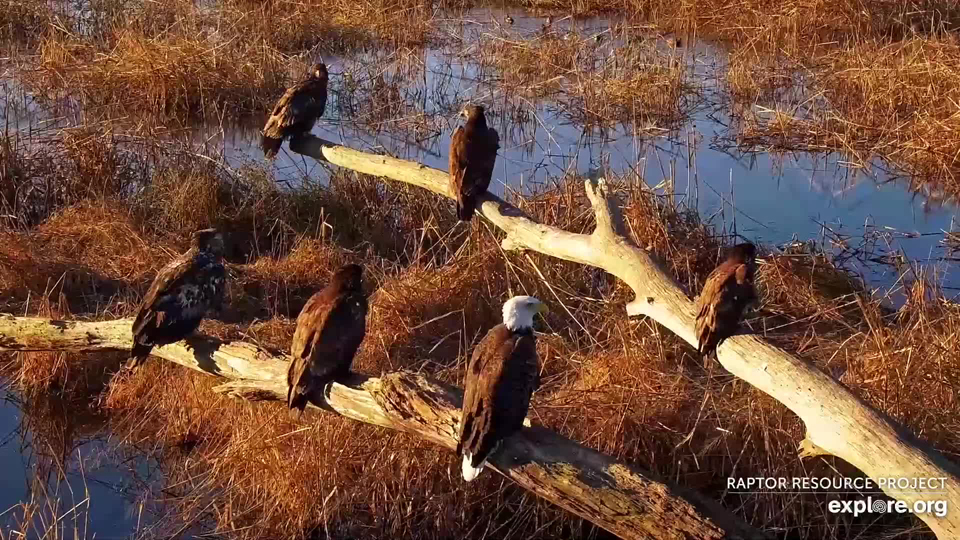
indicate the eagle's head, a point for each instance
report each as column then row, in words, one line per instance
column 518, row 312
column 209, row 240
column 472, row 112
column 743, row 253
column 349, row 277
column 319, row 71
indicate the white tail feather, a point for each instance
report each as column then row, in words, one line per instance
column 469, row 471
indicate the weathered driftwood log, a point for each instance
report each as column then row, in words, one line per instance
column 615, row 496
column 837, row 421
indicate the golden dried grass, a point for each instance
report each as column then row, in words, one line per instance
column 170, row 76
column 624, row 387
column 180, row 61
column 597, row 82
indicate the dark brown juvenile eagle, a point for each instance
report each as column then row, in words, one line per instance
column 330, row 328
column 500, row 379
column 296, row 111
column 180, row 296
column 473, row 153
column 726, row 293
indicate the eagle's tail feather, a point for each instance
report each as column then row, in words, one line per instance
column 469, row 471
column 138, row 355
column 297, row 398
column 270, row 146
column 464, row 210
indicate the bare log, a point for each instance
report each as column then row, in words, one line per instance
column 837, row 421
column 620, row 498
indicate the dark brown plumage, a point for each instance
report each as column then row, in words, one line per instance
column 500, row 380
column 296, row 111
column 330, row 328
column 726, row 293
column 180, row 296
column 473, row 153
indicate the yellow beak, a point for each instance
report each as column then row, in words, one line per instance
column 542, row 309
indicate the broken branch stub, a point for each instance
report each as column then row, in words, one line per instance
column 837, row 421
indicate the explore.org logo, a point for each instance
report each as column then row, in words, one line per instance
column 877, row 506
column 856, row 496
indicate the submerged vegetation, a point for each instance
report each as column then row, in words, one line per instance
column 103, row 188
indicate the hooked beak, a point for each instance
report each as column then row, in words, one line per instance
column 542, row 309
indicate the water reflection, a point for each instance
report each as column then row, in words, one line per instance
column 772, row 198
column 60, row 473
column 403, row 103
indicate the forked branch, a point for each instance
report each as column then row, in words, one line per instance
column 837, row 421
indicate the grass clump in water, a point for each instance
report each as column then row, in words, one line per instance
column 622, row 386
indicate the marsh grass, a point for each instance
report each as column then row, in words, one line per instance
column 180, row 61
column 47, row 516
column 596, row 82
column 172, row 76
column 90, row 214
column 870, row 78
column 624, row 387
column 892, row 101
column 22, row 21
column 51, row 431
column 385, row 93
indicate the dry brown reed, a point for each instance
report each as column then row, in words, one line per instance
column 596, row 81
column 835, row 76
column 624, row 387
column 23, row 20
column 792, row 26
column 380, row 92
column 894, row 101
column 181, row 61
column 90, row 216
column 171, row 76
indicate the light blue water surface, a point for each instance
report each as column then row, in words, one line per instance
column 772, row 199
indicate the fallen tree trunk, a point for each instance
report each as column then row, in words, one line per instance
column 622, row 499
column 838, row 422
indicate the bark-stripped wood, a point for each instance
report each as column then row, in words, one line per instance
column 620, row 498
column 838, row 422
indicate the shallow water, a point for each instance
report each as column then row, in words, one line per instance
column 773, row 199
column 864, row 214
column 50, row 455
column 404, row 103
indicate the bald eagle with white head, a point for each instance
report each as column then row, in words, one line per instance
column 500, row 379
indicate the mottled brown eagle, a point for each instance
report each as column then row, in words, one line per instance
column 180, row 296
column 500, row 379
column 296, row 111
column 330, row 328
column 473, row 153
column 726, row 293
